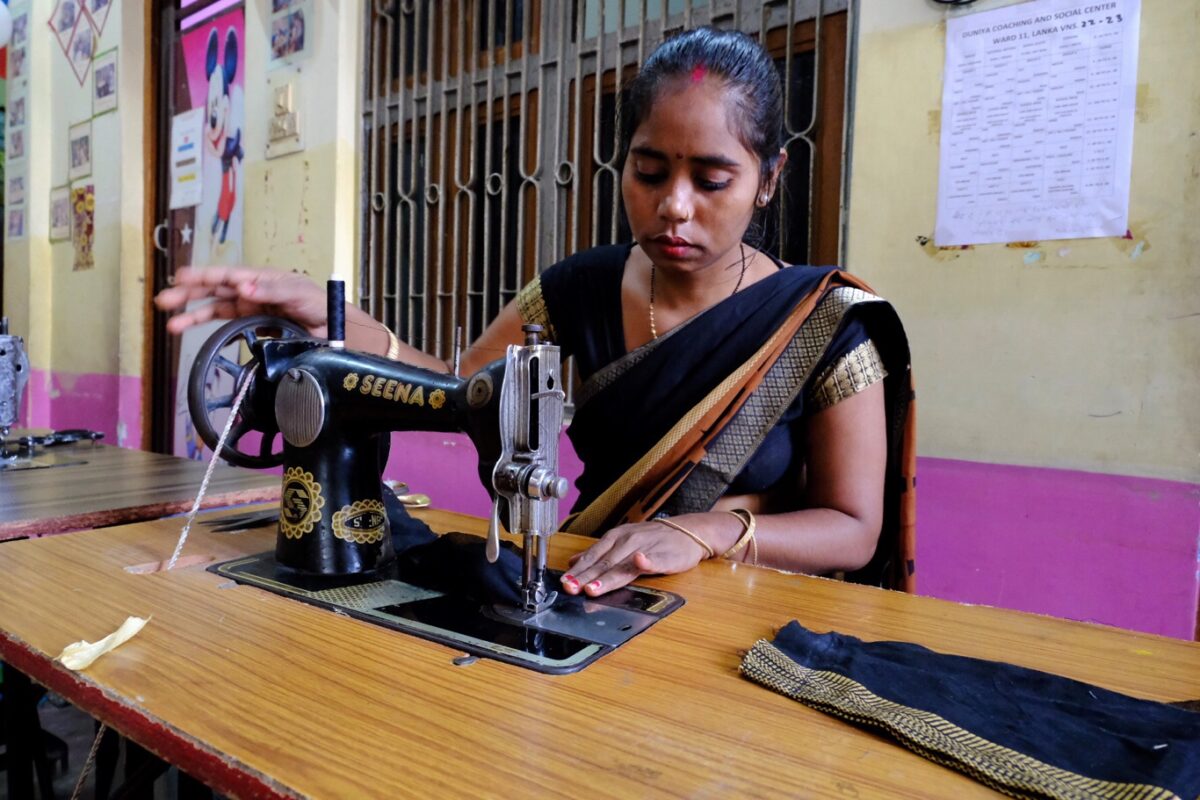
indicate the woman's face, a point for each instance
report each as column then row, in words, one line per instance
column 689, row 184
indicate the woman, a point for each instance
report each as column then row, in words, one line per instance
column 729, row 406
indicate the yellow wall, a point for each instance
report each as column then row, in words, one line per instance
column 1082, row 354
column 301, row 209
column 71, row 319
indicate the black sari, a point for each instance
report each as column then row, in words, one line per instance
column 671, row 425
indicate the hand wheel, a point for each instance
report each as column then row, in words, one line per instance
column 218, row 374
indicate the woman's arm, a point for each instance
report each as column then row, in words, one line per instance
column 839, row 529
column 245, row 291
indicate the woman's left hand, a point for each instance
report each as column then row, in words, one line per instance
column 640, row 548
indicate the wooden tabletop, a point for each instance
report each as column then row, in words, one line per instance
column 260, row 696
column 86, row 485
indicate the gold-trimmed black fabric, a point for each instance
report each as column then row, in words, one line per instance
column 532, row 307
column 1022, row 732
column 852, row 373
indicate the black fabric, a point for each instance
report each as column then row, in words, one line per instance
column 583, row 297
column 1066, row 724
column 454, row 562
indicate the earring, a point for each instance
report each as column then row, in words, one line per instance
column 763, row 199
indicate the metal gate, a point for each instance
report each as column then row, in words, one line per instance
column 489, row 141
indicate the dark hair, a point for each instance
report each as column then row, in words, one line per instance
column 746, row 68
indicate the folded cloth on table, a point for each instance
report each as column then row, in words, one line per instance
column 454, row 562
column 1023, row 732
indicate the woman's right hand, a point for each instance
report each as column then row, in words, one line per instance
column 243, row 291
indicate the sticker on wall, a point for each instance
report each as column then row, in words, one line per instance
column 97, row 13
column 291, row 31
column 60, row 214
column 80, row 160
column 16, row 223
column 83, row 228
column 81, row 49
column 187, row 130
column 104, row 83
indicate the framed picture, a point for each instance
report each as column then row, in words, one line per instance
column 16, row 113
column 97, row 13
column 80, row 50
column 290, row 28
column 104, row 83
column 16, row 223
column 14, row 195
column 79, row 164
column 16, row 62
column 60, row 214
column 20, row 29
column 16, row 145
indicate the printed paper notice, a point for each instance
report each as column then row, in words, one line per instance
column 186, row 132
column 1037, row 122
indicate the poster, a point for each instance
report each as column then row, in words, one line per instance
column 1037, row 122
column 79, row 160
column 214, row 59
column 187, row 130
column 213, row 54
column 104, row 83
column 83, row 225
column 60, row 214
column 16, row 145
column 16, row 113
column 291, row 31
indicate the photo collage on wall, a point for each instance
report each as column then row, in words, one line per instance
column 78, row 26
column 16, row 124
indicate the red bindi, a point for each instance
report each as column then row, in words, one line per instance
column 698, row 73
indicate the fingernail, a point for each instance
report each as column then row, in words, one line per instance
column 594, row 586
column 571, row 580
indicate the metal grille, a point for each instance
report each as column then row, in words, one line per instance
column 490, row 142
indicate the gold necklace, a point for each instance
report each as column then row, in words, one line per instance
column 741, row 277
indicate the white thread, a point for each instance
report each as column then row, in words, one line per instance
column 212, row 464
column 87, row 764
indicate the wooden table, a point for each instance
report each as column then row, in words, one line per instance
column 260, row 696
column 86, row 485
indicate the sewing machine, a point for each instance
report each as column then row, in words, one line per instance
column 14, row 372
column 335, row 410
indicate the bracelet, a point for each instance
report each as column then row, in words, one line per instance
column 393, row 351
column 710, row 553
column 747, row 538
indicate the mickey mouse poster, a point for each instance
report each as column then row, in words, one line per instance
column 214, row 53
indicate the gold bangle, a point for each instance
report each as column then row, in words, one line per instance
column 393, row 351
column 747, row 537
column 677, row 527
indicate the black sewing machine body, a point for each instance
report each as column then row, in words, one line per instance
column 336, row 409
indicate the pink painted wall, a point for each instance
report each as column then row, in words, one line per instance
column 1113, row 549
column 1098, row 548
column 111, row 404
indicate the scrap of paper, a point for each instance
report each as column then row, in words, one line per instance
column 82, row 655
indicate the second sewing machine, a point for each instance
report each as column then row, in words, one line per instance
column 335, row 410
